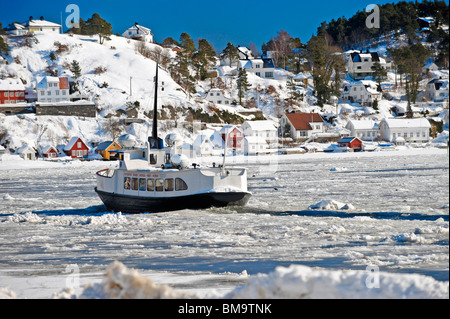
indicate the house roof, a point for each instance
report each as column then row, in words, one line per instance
column 72, row 142
column 140, row 28
column 11, row 85
column 262, row 125
column 303, row 76
column 255, row 140
column 407, row 123
column 348, row 139
column 42, row 83
column 301, row 121
column 363, row 124
column 41, row 23
column 104, row 145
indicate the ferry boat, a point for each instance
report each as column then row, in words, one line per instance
column 157, row 179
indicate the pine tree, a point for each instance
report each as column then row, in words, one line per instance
column 75, row 69
column 242, row 84
column 231, row 53
column 97, row 25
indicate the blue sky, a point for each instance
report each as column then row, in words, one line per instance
column 237, row 21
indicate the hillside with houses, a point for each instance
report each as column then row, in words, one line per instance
column 74, row 95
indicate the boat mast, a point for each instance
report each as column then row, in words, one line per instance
column 154, row 140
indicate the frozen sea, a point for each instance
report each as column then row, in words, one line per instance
column 388, row 210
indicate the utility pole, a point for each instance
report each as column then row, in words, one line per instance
column 131, row 91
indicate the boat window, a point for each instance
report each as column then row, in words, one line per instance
column 159, row 185
column 142, row 183
column 126, row 183
column 150, row 184
column 153, row 159
column 169, row 185
column 134, row 184
column 180, row 185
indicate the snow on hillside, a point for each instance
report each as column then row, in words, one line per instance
column 123, row 65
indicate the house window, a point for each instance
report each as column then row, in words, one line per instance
column 74, row 153
column 79, row 153
column 79, row 144
column 49, row 93
column 219, row 102
column 269, row 74
column 6, row 94
column 257, row 66
column 258, row 73
column 64, row 92
column 42, row 92
column 57, row 92
column 217, row 94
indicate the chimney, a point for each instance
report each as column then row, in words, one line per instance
column 42, row 18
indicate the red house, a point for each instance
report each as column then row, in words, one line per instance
column 49, row 152
column 233, row 135
column 76, row 148
column 12, row 91
column 351, row 142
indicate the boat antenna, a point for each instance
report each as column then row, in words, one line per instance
column 154, row 140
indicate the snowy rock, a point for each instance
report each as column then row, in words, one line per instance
column 329, row 204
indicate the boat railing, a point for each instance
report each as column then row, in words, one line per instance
column 106, row 173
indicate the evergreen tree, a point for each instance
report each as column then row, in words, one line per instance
column 187, row 43
column 99, row 26
column 379, row 73
column 4, row 49
column 75, row 69
column 242, row 84
column 231, row 53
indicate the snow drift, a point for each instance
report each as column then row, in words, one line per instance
column 294, row 282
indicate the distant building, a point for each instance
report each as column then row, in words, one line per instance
column 411, row 130
column 255, row 145
column 366, row 130
column 216, row 96
column 302, row 125
column 27, row 152
column 437, row 90
column 262, row 67
column 363, row 92
column 202, row 145
column 49, row 151
column 138, row 32
column 353, row 143
column 53, row 89
column 108, row 150
column 232, row 136
column 76, row 148
column 265, row 129
column 33, row 26
column 12, row 91
column 359, row 65
column 303, row 79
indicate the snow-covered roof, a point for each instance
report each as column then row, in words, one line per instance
column 42, row 23
column 140, row 28
column 47, row 148
column 200, row 139
column 72, row 142
column 11, row 85
column 408, row 123
column 303, row 76
column 263, row 125
column 363, row 124
column 42, row 82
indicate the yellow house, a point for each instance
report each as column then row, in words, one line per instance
column 109, row 150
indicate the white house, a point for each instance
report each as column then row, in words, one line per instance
column 17, row 29
column 262, row 67
column 265, row 128
column 363, row 92
column 202, row 145
column 254, row 145
column 302, row 125
column 411, row 130
column 365, row 130
column 216, row 96
column 303, row 79
column 52, row 89
column 429, row 67
column 359, row 65
column 27, row 152
column 437, row 90
column 138, row 32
